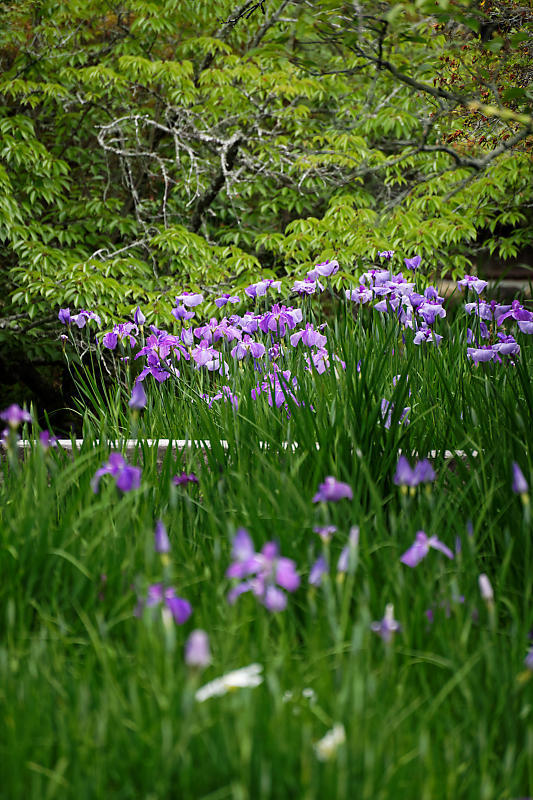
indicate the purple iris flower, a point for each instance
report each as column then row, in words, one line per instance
column 324, row 270
column 180, row 609
column 307, row 286
column 110, row 340
column 187, row 337
column 516, row 311
column 416, row 299
column 14, row 415
column 309, row 337
column 375, row 277
column 161, row 540
column 421, row 547
column 412, row 263
column 127, row 478
column 406, row 475
column 471, row 281
column 163, row 344
column 224, row 394
column 506, row 346
column 179, row 480
column 260, row 288
column 325, row 531
column 526, row 326
column 83, row 316
column 481, row 354
column 247, row 345
column 64, row 316
column 249, row 323
column 318, row 570
column 276, row 386
column 206, row 356
column 138, row 398
column 265, row 572
column 138, row 317
column 181, row 313
column 190, row 299
column 280, row 317
column 347, row 550
column 47, row 440
column 197, row 652
column 427, row 334
column 519, row 482
column 157, row 369
column 488, row 311
column 360, row 295
column 387, row 409
column 429, row 310
column 332, row 490
column 226, row 298
column 382, row 306
column 388, row 254
column 387, row 626
column 320, row 360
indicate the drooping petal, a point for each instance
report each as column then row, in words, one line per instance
column 418, row 550
column 274, row 599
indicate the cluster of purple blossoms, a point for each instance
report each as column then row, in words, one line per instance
column 266, row 574
column 506, row 345
column 276, row 386
column 494, row 314
column 279, row 318
column 126, row 477
column 80, row 318
column 396, row 295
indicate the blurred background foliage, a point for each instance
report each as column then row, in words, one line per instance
column 150, row 146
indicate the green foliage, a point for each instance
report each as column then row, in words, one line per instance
column 152, row 146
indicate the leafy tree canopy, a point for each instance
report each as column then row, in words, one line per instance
column 148, row 146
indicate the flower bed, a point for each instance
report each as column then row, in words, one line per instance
column 287, row 599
